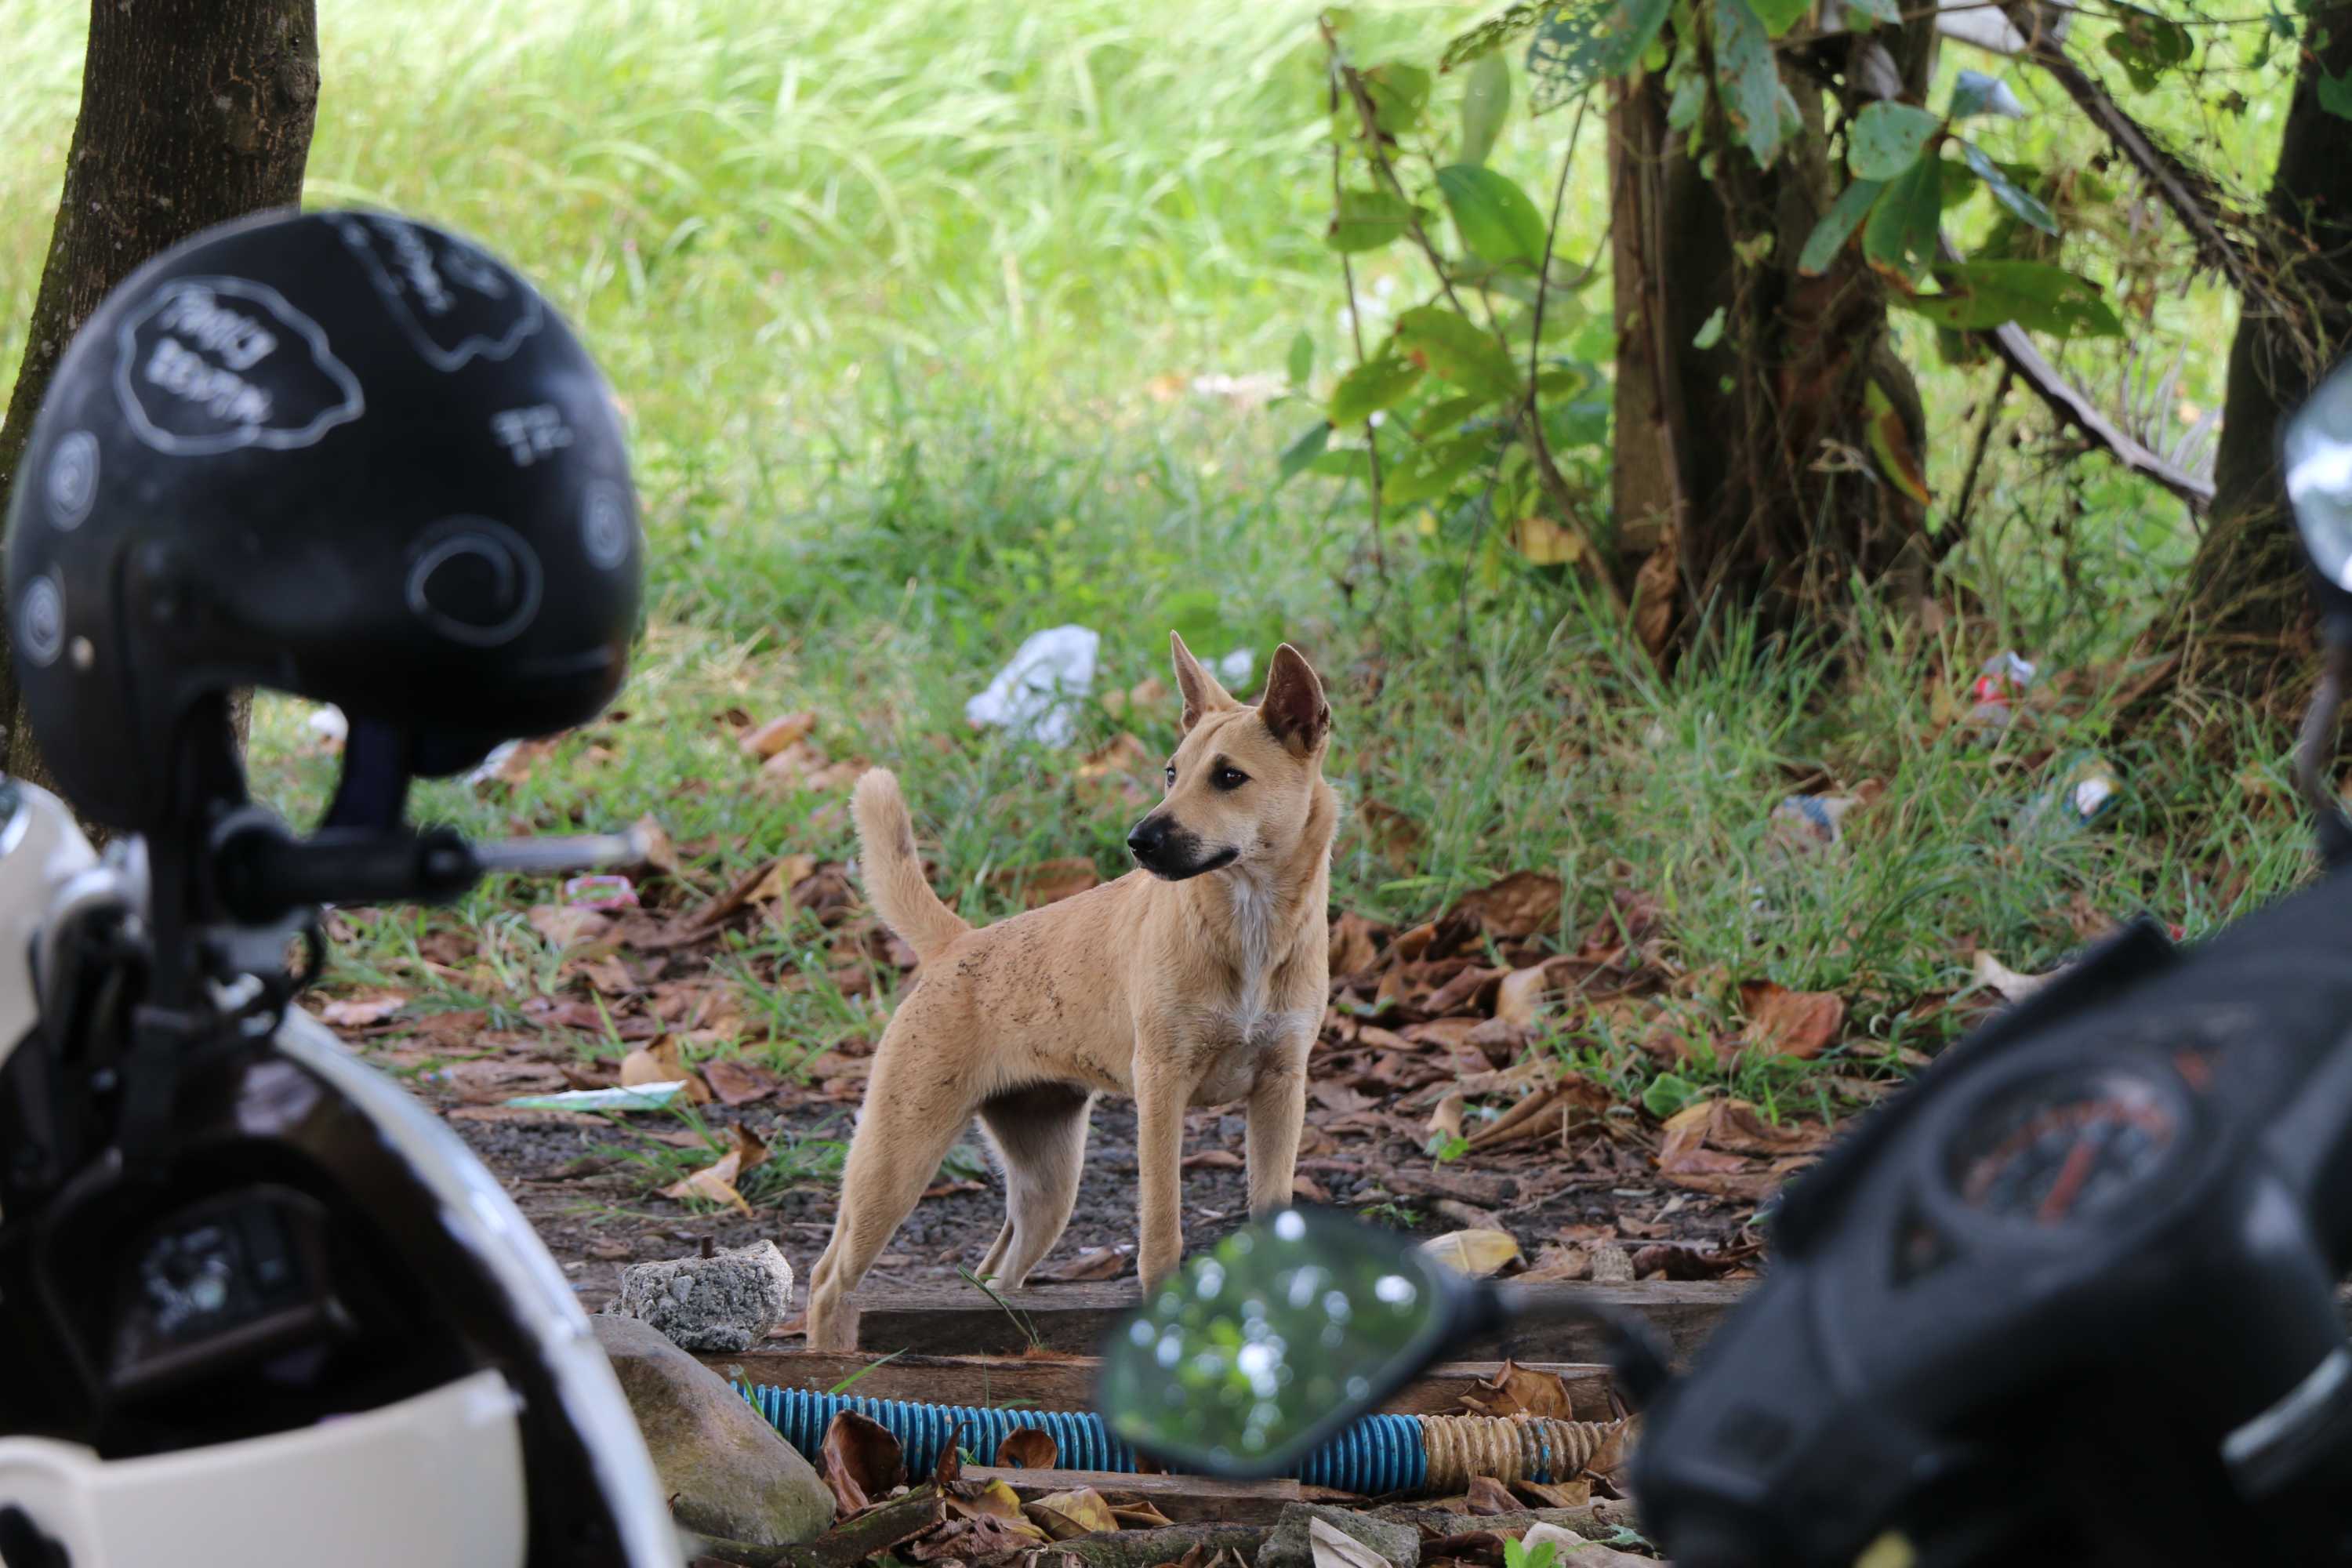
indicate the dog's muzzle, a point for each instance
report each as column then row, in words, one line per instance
column 1167, row 851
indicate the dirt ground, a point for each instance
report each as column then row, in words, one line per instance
column 594, row 1208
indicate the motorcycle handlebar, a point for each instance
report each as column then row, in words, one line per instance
column 264, row 873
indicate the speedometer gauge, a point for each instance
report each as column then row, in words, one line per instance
column 2065, row 1146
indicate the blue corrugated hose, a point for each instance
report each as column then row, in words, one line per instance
column 1379, row 1454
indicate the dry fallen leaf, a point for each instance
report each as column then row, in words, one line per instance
column 1577, row 1493
column 715, row 1182
column 1477, row 1253
column 739, row 1082
column 1137, row 1513
column 1489, row 1496
column 661, row 854
column 1516, row 1390
column 1063, row 1515
column 1445, row 1121
column 1573, row 1548
column 663, row 1062
column 1785, row 1022
column 1519, row 999
column 777, row 734
column 1353, row 948
column 862, row 1462
column 1521, row 904
column 490, row 1079
column 1335, row 1548
column 1093, row 1263
column 2012, row 985
column 1028, row 1448
column 360, row 1012
column 567, row 925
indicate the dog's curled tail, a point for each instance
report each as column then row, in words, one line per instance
column 893, row 871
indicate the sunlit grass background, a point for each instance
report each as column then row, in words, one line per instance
column 907, row 305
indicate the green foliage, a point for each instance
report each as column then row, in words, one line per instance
column 1517, row 1554
column 1899, row 239
column 2149, row 47
column 1754, row 103
column 1455, row 348
column 1486, row 104
column 1585, row 41
column 1369, row 219
column 2335, row 94
column 2027, row 207
column 1494, row 218
column 1372, row 386
column 1837, row 225
column 1888, row 138
column 1981, row 295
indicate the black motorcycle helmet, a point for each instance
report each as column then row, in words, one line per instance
column 344, row 455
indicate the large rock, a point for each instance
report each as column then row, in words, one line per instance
column 1292, row 1545
column 725, row 1471
column 723, row 1303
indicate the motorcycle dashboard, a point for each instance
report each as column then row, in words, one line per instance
column 2065, row 1147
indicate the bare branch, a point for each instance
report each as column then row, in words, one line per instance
column 2071, row 405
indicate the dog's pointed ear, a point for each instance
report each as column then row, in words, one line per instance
column 1202, row 695
column 1293, row 706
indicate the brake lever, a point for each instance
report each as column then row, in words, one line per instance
column 555, row 856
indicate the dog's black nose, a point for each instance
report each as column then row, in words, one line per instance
column 1147, row 839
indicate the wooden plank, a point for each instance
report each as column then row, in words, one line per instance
column 1066, row 1383
column 1184, row 1500
column 957, row 1320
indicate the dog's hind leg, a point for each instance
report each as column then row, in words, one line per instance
column 1041, row 1135
column 911, row 1122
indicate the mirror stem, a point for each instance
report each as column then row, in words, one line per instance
column 2314, row 750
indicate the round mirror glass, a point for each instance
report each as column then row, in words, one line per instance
column 1261, row 1347
column 2316, row 455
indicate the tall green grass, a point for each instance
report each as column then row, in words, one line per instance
column 904, row 304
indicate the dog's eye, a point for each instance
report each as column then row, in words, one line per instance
column 1229, row 778
column 1172, row 775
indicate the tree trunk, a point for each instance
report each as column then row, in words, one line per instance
column 2245, row 603
column 1744, row 474
column 193, row 112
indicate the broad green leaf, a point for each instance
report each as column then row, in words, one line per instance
column 1900, row 237
column 1448, row 413
column 1749, row 80
column 1302, row 359
column 1369, row 219
column 1375, row 385
column 1890, row 444
column 1399, row 92
column 1493, row 215
column 1710, row 332
column 2006, row 191
column 1890, row 12
column 1669, row 1093
column 1563, row 381
column 1888, row 138
column 1430, row 469
column 2335, row 94
column 1681, row 110
column 1585, row 41
column 1305, row 450
column 1975, row 93
column 1492, row 33
column 1454, row 350
column 1485, row 101
column 1960, row 185
column 1779, row 15
column 1837, row 226
column 1978, row 296
column 2146, row 46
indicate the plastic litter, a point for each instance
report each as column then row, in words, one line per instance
column 1811, row 821
column 601, row 892
column 1233, row 669
column 1031, row 695
column 2000, row 681
column 631, row 1097
column 2088, row 788
column 327, row 722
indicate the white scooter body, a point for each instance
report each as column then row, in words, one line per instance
column 433, row 1479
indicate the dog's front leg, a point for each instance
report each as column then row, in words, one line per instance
column 1277, row 1113
column 1162, row 1090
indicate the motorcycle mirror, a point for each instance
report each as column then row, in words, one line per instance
column 2316, row 457
column 1262, row 1349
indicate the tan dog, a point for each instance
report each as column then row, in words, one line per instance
column 1198, row 980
